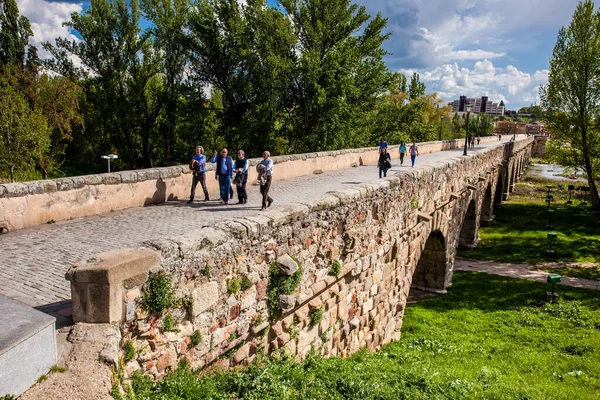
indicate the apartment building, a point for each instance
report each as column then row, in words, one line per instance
column 479, row 105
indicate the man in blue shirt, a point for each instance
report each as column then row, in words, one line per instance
column 198, row 167
column 223, row 173
column 382, row 145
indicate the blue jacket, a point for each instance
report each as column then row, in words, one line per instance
column 229, row 163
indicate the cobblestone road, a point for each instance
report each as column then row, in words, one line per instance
column 33, row 261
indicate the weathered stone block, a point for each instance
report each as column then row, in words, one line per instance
column 205, row 296
column 287, row 266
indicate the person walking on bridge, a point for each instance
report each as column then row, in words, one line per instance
column 265, row 173
column 223, row 172
column 198, row 167
column 402, row 152
column 414, row 152
column 384, row 162
column 241, row 176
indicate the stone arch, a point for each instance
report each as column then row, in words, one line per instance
column 468, row 232
column 499, row 191
column 430, row 273
column 486, row 206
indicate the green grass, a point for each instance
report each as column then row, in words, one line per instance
column 519, row 232
column 490, row 337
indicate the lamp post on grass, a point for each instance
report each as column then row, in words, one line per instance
column 108, row 158
column 468, row 109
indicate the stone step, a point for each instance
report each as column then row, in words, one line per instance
column 27, row 346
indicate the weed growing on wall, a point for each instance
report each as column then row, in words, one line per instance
column 316, row 316
column 195, row 339
column 159, row 294
column 281, row 284
column 234, row 286
column 335, row 268
column 128, row 351
column 245, row 283
column 168, row 323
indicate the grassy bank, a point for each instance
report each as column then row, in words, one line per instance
column 489, row 337
column 519, row 232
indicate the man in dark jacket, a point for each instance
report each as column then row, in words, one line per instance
column 223, row 172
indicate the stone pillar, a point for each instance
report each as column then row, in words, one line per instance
column 98, row 285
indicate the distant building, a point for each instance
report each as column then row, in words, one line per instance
column 478, row 106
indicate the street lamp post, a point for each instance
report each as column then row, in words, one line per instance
column 468, row 109
column 441, row 119
column 108, row 158
column 515, row 132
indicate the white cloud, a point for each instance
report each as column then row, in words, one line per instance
column 46, row 20
column 515, row 87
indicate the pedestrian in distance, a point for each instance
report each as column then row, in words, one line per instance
column 241, row 176
column 414, row 152
column 198, row 167
column 384, row 162
column 499, row 137
column 223, row 173
column 213, row 158
column 265, row 174
column 402, row 152
column 382, row 144
column 478, row 140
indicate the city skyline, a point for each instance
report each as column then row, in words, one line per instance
column 473, row 47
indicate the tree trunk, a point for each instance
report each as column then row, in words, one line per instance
column 592, row 185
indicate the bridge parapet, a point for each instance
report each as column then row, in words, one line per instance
column 26, row 204
column 360, row 249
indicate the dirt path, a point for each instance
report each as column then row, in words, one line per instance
column 523, row 271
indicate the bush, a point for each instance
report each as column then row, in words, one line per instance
column 159, row 294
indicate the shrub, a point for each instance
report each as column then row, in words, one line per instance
column 159, row 294
column 128, row 351
column 205, row 271
column 56, row 368
column 335, row 268
column 195, row 339
column 258, row 319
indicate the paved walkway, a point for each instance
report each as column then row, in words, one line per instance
column 523, row 271
column 33, row 261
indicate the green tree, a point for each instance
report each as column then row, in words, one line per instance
column 246, row 53
column 169, row 23
column 110, row 45
column 457, row 126
column 416, row 89
column 339, row 74
column 571, row 99
column 23, row 132
column 14, row 34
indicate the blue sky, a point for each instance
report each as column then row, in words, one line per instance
column 498, row 49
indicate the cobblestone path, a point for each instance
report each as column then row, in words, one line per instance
column 33, row 261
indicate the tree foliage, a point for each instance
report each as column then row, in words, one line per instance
column 571, row 99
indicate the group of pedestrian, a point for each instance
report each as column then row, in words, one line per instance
column 471, row 141
column 385, row 161
column 228, row 172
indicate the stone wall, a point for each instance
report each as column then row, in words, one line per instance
column 357, row 251
column 26, row 204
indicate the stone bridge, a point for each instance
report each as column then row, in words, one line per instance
column 330, row 272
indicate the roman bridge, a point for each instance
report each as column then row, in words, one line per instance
column 329, row 266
